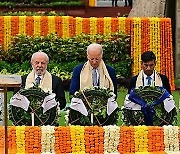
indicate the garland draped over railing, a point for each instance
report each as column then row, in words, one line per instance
column 92, row 139
column 146, row 34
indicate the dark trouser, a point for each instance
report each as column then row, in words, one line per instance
column 114, row 1
column 129, row 1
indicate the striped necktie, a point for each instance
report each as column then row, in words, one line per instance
column 94, row 75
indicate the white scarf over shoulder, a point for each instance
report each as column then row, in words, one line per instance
column 45, row 85
column 86, row 76
column 157, row 82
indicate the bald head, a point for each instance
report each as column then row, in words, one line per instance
column 39, row 62
column 94, row 54
column 94, row 48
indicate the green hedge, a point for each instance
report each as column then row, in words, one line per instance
column 40, row 3
column 65, row 54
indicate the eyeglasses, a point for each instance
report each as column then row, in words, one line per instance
column 94, row 59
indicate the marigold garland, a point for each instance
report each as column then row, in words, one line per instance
column 126, row 141
column 122, row 24
column 100, row 26
column 7, row 32
column 58, row 25
column 65, row 22
column 107, row 25
column 62, row 140
column 111, row 139
column 171, row 138
column 29, row 26
column 37, row 25
column 72, row 25
column 2, row 138
column 51, row 24
column 78, row 25
column 20, row 139
column 137, row 46
column 114, row 25
column 47, row 139
column 22, row 25
column 140, row 138
column 86, row 25
column 92, row 139
column 93, row 26
column 2, row 31
column 155, row 138
column 44, row 26
column 77, row 138
column 15, row 25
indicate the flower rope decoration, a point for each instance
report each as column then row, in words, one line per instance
column 95, row 101
column 111, row 139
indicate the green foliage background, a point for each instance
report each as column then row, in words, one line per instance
column 65, row 54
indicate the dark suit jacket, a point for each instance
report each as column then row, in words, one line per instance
column 164, row 79
column 75, row 81
column 57, row 88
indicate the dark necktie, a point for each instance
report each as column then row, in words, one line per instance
column 94, row 75
column 38, row 80
column 149, row 80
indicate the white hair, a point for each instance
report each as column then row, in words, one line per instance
column 40, row 53
column 94, row 46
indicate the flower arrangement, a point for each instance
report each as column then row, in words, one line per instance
column 95, row 100
column 152, row 108
column 36, row 97
column 92, row 139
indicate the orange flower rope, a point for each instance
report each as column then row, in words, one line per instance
column 155, row 139
column 2, row 31
column 128, row 24
column 126, row 142
column 58, row 25
column 100, row 25
column 2, row 139
column 170, row 54
column 33, row 139
column 93, row 137
column 62, row 140
column 114, row 25
column 145, row 35
column 44, row 25
column 12, row 147
column 14, row 25
column 86, row 25
column 72, row 28
column 30, row 26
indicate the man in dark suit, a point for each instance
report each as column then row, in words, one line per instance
column 94, row 72
column 148, row 75
column 41, row 76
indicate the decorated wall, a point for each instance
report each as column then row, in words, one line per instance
column 146, row 34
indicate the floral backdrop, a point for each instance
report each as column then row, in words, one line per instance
column 146, row 34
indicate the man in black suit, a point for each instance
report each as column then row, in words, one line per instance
column 41, row 76
column 148, row 74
